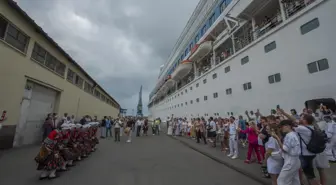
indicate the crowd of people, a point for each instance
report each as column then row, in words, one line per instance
column 287, row 146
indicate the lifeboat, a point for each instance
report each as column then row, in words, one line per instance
column 182, row 70
column 200, row 50
column 169, row 82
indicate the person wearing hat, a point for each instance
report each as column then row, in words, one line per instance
column 66, row 154
column 290, row 146
column 48, row 158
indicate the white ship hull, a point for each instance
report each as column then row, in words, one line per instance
column 293, row 52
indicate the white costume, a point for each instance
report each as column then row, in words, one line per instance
column 289, row 174
column 331, row 145
column 275, row 161
column 233, row 140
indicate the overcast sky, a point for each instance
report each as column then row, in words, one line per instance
column 120, row 43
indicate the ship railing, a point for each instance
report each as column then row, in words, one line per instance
column 294, row 6
column 244, row 37
column 268, row 24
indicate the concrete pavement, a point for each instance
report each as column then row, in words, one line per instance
column 251, row 170
column 151, row 160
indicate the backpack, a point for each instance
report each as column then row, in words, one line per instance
column 318, row 140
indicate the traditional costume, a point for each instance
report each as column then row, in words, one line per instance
column 49, row 159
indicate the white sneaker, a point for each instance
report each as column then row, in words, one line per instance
column 230, row 155
column 128, row 141
column 235, row 157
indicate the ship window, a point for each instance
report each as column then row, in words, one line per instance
column 228, row 91
column 269, row 47
column 186, row 91
column 196, row 38
column 197, row 85
column 181, row 104
column 227, row 69
column 191, row 102
column 190, row 88
column 215, row 95
column 245, row 60
column 319, row 65
column 214, row 76
column 222, row 6
column 204, row 29
column 197, row 100
column 247, row 86
column 186, row 103
column 212, row 19
column 274, row 78
column 309, row 26
column 205, row 98
column 181, row 93
column 204, row 81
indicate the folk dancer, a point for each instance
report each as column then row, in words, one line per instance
column 49, row 159
column 64, row 147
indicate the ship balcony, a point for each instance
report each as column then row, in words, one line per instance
column 204, row 65
column 292, row 7
column 182, row 70
column 224, row 51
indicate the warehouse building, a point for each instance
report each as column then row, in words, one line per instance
column 38, row 77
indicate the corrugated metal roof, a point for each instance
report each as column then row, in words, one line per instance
column 15, row 6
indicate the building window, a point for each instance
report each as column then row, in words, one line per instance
column 274, row 78
column 214, row 76
column 197, row 85
column 97, row 93
column 88, row 87
column 3, row 27
column 51, row 62
column 212, row 19
column 191, row 102
column 227, row 69
column 41, row 56
column 191, row 88
column 102, row 97
column 204, row 81
column 244, row 60
column 228, row 91
column 71, row 76
column 269, row 47
column 205, row 98
column 247, row 86
column 319, row 65
column 197, row 100
column 309, row 26
column 215, row 95
column 13, row 36
column 79, row 81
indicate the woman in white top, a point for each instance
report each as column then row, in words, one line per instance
column 289, row 174
column 273, row 155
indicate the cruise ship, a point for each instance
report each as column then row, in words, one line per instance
column 238, row 55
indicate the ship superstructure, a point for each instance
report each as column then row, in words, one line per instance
column 237, row 55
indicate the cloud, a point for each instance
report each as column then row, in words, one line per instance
column 121, row 43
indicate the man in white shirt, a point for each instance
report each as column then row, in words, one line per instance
column 212, row 128
column 138, row 127
column 117, row 125
column 305, row 131
column 233, row 138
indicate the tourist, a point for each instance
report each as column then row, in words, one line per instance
column 117, row 125
column 233, row 137
column 108, row 127
column 138, row 127
column 252, row 141
column 290, row 146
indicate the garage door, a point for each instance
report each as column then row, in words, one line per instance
column 41, row 103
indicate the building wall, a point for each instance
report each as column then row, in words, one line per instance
column 290, row 58
column 16, row 67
